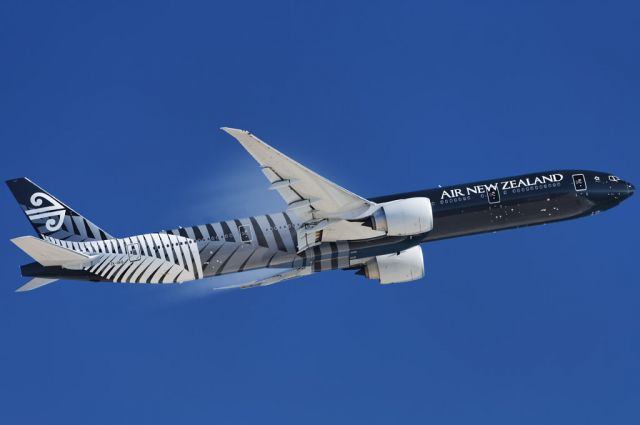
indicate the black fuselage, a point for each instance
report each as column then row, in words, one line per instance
column 507, row 203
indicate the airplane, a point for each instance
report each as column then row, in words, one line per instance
column 324, row 227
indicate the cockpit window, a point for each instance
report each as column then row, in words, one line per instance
column 614, row 178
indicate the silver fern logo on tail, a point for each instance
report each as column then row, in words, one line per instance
column 55, row 212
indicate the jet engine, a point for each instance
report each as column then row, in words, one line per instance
column 403, row 266
column 403, row 217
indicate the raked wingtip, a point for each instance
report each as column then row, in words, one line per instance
column 233, row 131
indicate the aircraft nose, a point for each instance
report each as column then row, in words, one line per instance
column 626, row 189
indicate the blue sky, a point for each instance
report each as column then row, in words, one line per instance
column 115, row 109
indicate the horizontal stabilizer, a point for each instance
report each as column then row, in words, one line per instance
column 35, row 283
column 49, row 254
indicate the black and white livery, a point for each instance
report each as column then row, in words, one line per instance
column 324, row 227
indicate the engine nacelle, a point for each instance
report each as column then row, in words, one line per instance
column 403, row 217
column 405, row 266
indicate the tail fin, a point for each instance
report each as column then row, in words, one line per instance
column 50, row 217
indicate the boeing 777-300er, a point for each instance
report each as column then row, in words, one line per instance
column 324, row 227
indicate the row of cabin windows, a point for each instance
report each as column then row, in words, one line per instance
column 267, row 229
column 230, row 235
column 227, row 236
column 271, row 229
column 157, row 248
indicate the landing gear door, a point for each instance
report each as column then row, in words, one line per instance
column 133, row 249
column 579, row 182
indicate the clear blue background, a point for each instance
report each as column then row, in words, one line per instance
column 115, row 108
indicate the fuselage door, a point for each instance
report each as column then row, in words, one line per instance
column 133, row 249
column 245, row 233
column 579, row 182
column 493, row 196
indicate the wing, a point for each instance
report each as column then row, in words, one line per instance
column 255, row 278
column 302, row 189
column 281, row 277
column 314, row 200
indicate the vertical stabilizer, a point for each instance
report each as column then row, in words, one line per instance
column 50, row 217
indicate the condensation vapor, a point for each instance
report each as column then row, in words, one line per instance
column 240, row 190
column 237, row 191
column 211, row 286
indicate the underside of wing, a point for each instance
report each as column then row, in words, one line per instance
column 285, row 275
column 255, row 278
